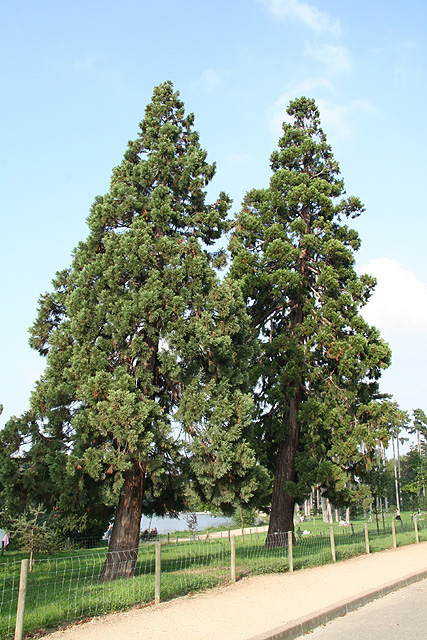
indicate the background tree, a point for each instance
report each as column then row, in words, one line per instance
column 34, row 530
column 414, row 464
column 375, row 477
column 320, row 362
column 35, row 469
column 363, row 498
column 398, row 421
column 138, row 323
column 419, row 427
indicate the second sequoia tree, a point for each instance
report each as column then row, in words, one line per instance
column 316, row 379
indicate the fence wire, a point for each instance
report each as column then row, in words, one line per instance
column 261, row 554
column 63, row 590
column 194, row 565
column 78, row 585
column 9, row 586
column 350, row 542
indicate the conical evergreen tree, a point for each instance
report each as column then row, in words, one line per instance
column 139, row 322
column 320, row 362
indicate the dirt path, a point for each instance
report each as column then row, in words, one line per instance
column 254, row 605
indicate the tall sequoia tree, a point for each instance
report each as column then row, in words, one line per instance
column 316, row 378
column 139, row 322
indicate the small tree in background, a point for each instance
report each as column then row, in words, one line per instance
column 375, row 478
column 34, row 532
column 192, row 523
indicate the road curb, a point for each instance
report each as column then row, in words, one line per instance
column 307, row 623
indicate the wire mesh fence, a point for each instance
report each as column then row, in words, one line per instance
column 62, row 590
column 9, row 585
column 350, row 543
column 78, row 585
column 263, row 554
column 194, row 565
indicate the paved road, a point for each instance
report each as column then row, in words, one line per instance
column 401, row 615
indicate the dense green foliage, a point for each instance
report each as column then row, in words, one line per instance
column 156, row 367
column 140, row 324
column 316, row 379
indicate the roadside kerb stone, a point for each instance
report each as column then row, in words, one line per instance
column 305, row 624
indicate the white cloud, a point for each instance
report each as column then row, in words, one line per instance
column 408, row 70
column 239, row 158
column 335, row 58
column 399, row 303
column 88, row 62
column 398, row 308
column 337, row 119
column 308, row 88
column 211, row 79
column 308, row 14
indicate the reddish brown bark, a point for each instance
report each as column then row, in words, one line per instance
column 282, row 504
column 122, row 553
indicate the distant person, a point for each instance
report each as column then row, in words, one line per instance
column 110, row 529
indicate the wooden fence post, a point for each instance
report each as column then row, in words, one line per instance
column 417, row 537
column 290, row 552
column 233, row 559
column 367, row 538
column 393, row 529
column 23, row 581
column 334, row 557
column 158, row 573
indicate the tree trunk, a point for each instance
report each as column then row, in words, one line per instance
column 122, row 553
column 396, row 479
column 325, row 514
column 282, row 503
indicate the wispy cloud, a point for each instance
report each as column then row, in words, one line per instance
column 408, row 70
column 89, row 62
column 337, row 119
column 336, row 59
column 308, row 14
column 211, row 79
column 309, row 88
column 239, row 158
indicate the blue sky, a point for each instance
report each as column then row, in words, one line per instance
column 75, row 80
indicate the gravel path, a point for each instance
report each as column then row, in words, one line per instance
column 253, row 606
